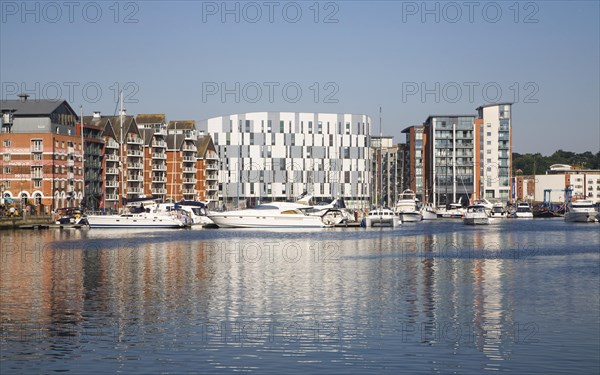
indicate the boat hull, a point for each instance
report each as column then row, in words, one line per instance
column 410, row 217
column 476, row 220
column 580, row 217
column 283, row 221
column 117, row 221
column 374, row 221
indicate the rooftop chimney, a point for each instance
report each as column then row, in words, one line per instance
column 97, row 114
column 23, row 97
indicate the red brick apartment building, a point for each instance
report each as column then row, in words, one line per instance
column 42, row 159
column 41, row 162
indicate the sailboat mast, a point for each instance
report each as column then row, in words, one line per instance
column 82, row 159
column 453, row 162
column 381, row 159
column 121, row 141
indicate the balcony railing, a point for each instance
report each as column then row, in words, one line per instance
column 135, row 141
column 189, row 170
column 189, row 181
column 160, row 155
column 159, row 167
column 112, row 144
column 134, row 177
column 159, row 191
column 134, row 153
column 135, row 166
column 161, row 144
column 112, row 197
column 189, row 191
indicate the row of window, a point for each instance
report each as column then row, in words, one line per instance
column 318, row 129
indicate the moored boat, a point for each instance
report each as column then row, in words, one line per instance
column 523, row 211
column 406, row 207
column 581, row 211
column 476, row 215
column 274, row 215
column 142, row 214
column 498, row 211
column 381, row 217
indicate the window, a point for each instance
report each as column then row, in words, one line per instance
column 7, row 157
column 7, row 170
column 37, row 156
column 489, row 134
column 6, row 143
column 489, row 143
column 36, row 145
column 489, row 151
column 37, row 184
column 281, row 126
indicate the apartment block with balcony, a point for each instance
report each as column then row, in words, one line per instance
column 207, row 171
column 93, row 131
column 388, row 170
column 450, row 153
column 130, row 155
column 415, row 160
column 182, row 155
column 153, row 130
column 40, row 154
column 494, row 125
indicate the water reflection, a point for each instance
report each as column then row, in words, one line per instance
column 418, row 298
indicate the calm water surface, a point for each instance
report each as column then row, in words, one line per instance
column 520, row 296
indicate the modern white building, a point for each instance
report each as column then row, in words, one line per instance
column 269, row 156
column 495, row 124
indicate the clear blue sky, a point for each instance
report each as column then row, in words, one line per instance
column 544, row 55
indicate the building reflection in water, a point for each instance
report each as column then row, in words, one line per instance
column 67, row 288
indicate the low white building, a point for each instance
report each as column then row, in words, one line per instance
column 584, row 184
column 267, row 156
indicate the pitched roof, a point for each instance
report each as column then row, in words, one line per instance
column 101, row 122
column 34, row 107
column 129, row 124
column 147, row 135
column 184, row 125
column 145, row 118
column 171, row 139
column 205, row 143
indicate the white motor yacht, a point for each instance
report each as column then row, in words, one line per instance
column 476, row 215
column 273, row 215
column 498, row 211
column 381, row 217
column 406, row 207
column 581, row 211
column 455, row 211
column 523, row 211
column 196, row 211
column 428, row 212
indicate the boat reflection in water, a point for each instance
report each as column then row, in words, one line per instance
column 435, row 297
